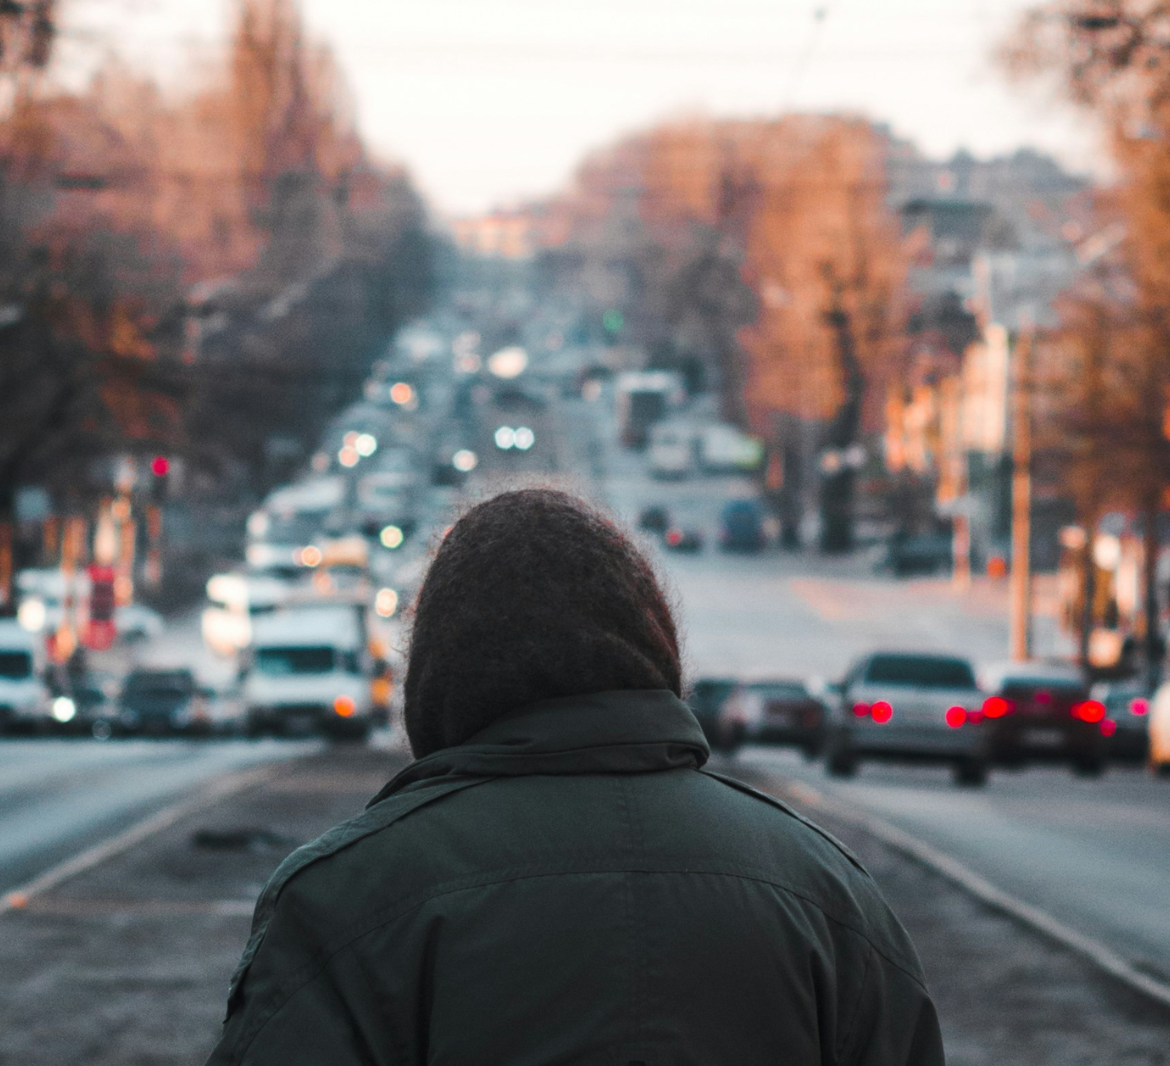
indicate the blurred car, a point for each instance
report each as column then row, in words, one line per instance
column 741, row 526
column 1126, row 724
column 136, row 621
column 1159, row 727
column 707, row 697
column 1040, row 712
column 83, row 702
column 782, row 712
column 25, row 700
column 906, row 554
column 654, row 519
column 682, row 539
column 909, row 706
column 161, row 703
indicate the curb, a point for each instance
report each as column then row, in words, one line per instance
column 1098, row 954
column 219, row 788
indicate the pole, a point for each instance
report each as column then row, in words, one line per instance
column 1020, row 621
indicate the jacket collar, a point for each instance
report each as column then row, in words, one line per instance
column 634, row 731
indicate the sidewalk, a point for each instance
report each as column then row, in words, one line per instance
column 127, row 964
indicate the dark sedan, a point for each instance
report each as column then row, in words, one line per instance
column 1039, row 712
column 782, row 712
column 161, row 702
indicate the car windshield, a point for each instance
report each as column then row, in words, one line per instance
column 15, row 665
column 282, row 662
column 920, row 671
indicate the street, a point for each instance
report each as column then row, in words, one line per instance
column 58, row 797
column 1088, row 853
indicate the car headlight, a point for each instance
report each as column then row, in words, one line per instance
column 64, row 709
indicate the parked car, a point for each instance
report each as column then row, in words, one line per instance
column 707, row 697
column 906, row 554
column 1159, row 714
column 782, row 712
column 1041, row 712
column 909, row 706
column 741, row 526
column 136, row 621
column 161, row 703
column 683, row 539
column 1126, row 724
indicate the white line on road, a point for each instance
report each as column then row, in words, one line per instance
column 218, row 789
column 959, row 874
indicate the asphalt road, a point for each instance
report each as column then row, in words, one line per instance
column 58, row 797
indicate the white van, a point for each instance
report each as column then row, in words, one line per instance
column 672, row 450
column 308, row 671
column 24, row 697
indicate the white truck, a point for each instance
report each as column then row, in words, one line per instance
column 642, row 398
column 671, row 453
column 309, row 670
column 24, row 697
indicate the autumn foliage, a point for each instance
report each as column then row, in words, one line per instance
column 196, row 275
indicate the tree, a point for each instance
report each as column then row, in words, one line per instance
column 1112, row 59
column 827, row 255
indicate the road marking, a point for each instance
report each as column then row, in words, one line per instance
column 218, row 789
column 1101, row 956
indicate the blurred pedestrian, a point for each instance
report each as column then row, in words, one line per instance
column 556, row 879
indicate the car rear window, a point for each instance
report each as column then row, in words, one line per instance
column 1024, row 685
column 921, row 671
column 15, row 665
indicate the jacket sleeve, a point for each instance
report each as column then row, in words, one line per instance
column 895, row 1022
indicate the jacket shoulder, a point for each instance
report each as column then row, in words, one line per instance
column 827, row 874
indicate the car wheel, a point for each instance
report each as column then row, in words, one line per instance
column 840, row 760
column 971, row 773
column 1161, row 769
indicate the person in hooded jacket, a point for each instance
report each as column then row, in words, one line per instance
column 556, row 879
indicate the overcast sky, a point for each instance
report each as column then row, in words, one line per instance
column 492, row 101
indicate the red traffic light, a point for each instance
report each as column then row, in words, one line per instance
column 160, row 465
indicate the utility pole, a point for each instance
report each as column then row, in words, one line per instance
column 1020, row 622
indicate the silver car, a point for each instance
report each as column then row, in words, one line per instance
column 913, row 707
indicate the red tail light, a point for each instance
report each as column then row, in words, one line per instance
column 1089, row 710
column 882, row 712
column 1139, row 706
column 1108, row 727
column 861, row 709
column 997, row 707
column 956, row 716
column 673, row 537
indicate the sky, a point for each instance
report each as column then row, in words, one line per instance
column 491, row 102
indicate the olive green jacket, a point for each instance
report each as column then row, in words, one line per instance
column 569, row 887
